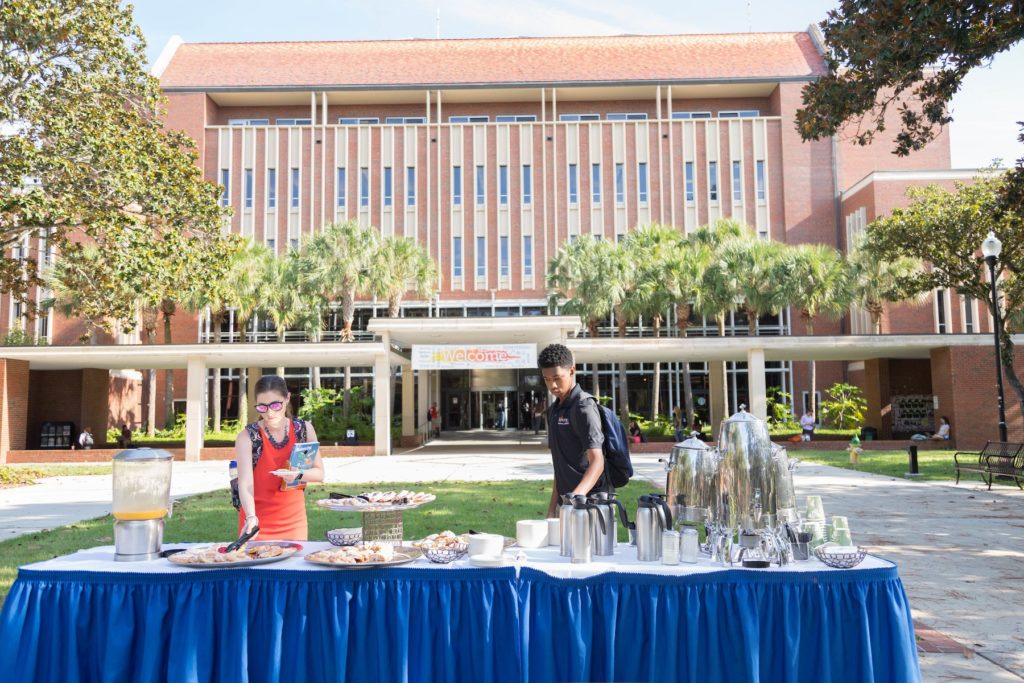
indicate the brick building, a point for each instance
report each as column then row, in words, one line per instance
column 494, row 152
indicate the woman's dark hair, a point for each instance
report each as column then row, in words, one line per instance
column 555, row 356
column 946, row 419
column 272, row 383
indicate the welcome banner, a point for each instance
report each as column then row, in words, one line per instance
column 473, row 356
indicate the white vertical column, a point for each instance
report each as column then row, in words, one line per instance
column 382, row 402
column 422, row 396
column 756, row 386
column 194, row 413
column 408, row 401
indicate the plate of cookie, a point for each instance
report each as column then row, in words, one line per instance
column 252, row 553
column 376, row 501
column 365, row 555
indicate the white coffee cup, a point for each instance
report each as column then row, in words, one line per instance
column 532, row 533
column 489, row 545
column 554, row 531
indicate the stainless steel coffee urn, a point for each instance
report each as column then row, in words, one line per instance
column 141, row 497
column 691, row 484
column 746, row 476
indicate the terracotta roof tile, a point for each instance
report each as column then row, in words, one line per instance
column 493, row 61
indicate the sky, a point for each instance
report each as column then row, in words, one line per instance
column 984, row 111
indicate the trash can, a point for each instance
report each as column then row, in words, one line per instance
column 868, row 434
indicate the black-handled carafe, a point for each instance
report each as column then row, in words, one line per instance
column 604, row 541
column 585, row 518
column 652, row 517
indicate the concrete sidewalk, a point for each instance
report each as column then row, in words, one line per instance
column 959, row 548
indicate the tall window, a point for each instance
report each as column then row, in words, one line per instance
column 225, row 181
column 364, row 186
column 503, row 184
column 969, row 313
column 387, row 186
column 503, row 241
column 595, row 183
column 480, row 187
column 941, row 314
column 248, row 188
column 528, row 255
column 620, row 184
column 457, row 185
column 737, row 182
column 713, row 181
column 481, row 256
column 573, row 184
column 271, row 188
column 759, row 167
column 527, row 184
column 410, row 186
column 641, row 180
column 340, row 188
column 295, row 188
column 689, row 181
column 456, row 257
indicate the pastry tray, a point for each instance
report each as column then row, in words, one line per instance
column 239, row 563
column 408, row 554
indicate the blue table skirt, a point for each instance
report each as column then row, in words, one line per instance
column 457, row 625
column 244, row 625
column 745, row 626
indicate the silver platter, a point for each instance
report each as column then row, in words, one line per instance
column 239, row 563
column 325, row 503
column 408, row 554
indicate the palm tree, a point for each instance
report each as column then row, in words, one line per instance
column 339, row 261
column 619, row 272
column 242, row 293
column 577, row 286
column 760, row 271
column 282, row 298
column 683, row 275
column 876, row 282
column 399, row 265
column 651, row 248
column 819, row 285
column 717, row 294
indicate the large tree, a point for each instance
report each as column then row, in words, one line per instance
column 908, row 54
column 84, row 154
column 399, row 265
column 946, row 229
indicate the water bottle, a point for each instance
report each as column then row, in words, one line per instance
column 233, row 482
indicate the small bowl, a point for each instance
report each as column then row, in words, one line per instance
column 345, row 536
column 840, row 560
column 444, row 555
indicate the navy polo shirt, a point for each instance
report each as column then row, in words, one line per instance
column 574, row 427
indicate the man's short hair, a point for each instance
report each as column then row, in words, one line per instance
column 555, row 356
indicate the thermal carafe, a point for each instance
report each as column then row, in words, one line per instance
column 652, row 517
column 565, row 526
column 605, row 538
column 585, row 516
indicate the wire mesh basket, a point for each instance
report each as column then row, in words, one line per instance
column 383, row 526
column 445, row 555
column 840, row 560
column 343, row 537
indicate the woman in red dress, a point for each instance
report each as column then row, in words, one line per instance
column 281, row 515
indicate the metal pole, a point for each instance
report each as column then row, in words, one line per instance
column 991, row 260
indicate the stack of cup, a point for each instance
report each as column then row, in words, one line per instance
column 815, row 521
column 841, row 531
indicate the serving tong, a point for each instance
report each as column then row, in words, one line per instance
column 232, row 547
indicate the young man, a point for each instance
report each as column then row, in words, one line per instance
column 574, row 429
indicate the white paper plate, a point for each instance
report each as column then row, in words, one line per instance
column 487, row 561
column 283, row 471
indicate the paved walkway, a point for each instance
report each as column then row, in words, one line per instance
column 960, row 549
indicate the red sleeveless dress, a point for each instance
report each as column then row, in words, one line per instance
column 282, row 514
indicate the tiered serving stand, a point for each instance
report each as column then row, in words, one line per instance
column 382, row 522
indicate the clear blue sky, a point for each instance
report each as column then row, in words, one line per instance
column 984, row 111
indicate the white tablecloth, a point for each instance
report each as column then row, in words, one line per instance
column 547, row 560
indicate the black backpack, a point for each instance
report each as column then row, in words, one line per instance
column 616, row 448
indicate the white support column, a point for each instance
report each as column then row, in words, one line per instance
column 382, row 404
column 756, row 387
column 718, row 399
column 422, row 397
column 408, row 401
column 194, row 414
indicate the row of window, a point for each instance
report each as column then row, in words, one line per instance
column 503, row 256
column 526, row 185
column 501, row 118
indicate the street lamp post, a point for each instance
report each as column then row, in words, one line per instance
column 991, row 249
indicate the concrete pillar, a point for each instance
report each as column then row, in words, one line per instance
column 422, row 397
column 408, row 401
column 195, row 400
column 253, row 375
column 756, row 384
column 717, row 396
column 14, row 375
column 382, row 404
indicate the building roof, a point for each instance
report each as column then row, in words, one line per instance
column 492, row 61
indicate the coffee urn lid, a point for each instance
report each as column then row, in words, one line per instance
column 692, row 444
column 142, row 455
column 744, row 416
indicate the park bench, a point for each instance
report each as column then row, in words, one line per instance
column 996, row 459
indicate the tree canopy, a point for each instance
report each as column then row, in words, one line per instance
column 84, row 154
column 908, row 54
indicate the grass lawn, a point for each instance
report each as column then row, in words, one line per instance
column 26, row 475
column 483, row 506
column 933, row 465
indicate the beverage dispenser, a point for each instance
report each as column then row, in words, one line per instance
column 142, row 495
